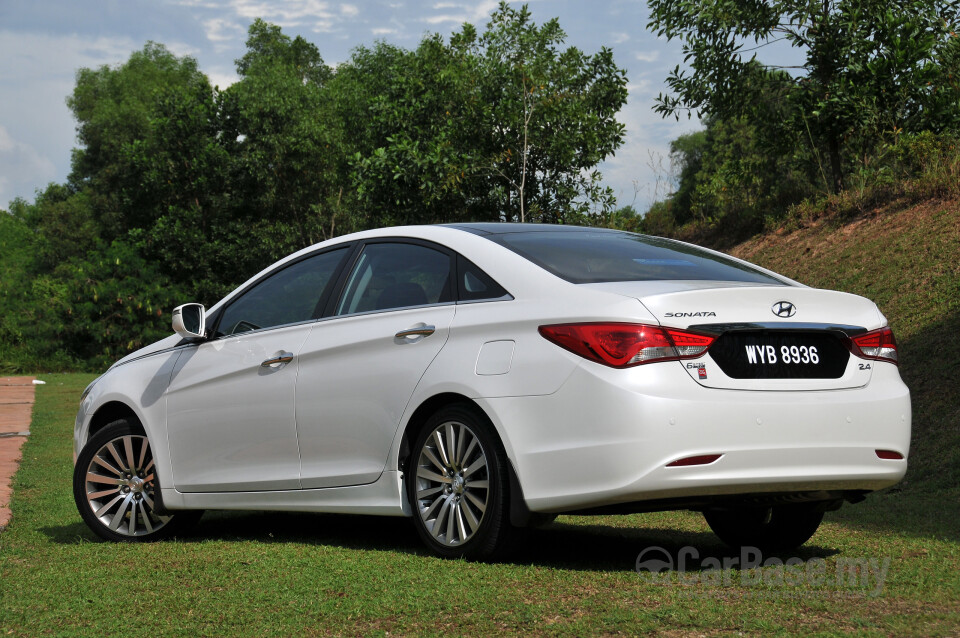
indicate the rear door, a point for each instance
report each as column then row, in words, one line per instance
column 361, row 364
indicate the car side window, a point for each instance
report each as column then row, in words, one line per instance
column 475, row 285
column 288, row 296
column 396, row 275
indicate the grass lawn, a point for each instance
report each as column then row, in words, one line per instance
column 260, row 574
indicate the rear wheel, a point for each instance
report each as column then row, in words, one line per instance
column 780, row 527
column 114, row 486
column 457, row 484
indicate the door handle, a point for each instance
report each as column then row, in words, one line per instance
column 283, row 357
column 422, row 331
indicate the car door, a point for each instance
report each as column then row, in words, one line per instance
column 230, row 405
column 360, row 366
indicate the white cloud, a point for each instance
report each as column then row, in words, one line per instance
column 383, row 31
column 648, row 56
column 203, row 4
column 640, row 171
column 22, row 169
column 221, row 79
column 222, row 30
column 466, row 12
column 349, row 10
column 38, row 128
column 313, row 14
column 181, row 49
column 619, row 37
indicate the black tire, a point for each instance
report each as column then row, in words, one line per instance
column 781, row 527
column 465, row 517
column 117, row 504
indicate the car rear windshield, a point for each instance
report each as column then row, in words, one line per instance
column 602, row 256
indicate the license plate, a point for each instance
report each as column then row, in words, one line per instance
column 780, row 355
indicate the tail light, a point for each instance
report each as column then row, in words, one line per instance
column 879, row 345
column 622, row 345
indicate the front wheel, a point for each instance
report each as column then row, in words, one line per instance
column 457, row 484
column 115, row 484
column 781, row 527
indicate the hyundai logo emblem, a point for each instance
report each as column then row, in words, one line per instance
column 784, row 309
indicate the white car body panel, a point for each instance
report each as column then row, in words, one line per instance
column 346, row 428
column 247, row 439
column 577, row 434
column 585, row 447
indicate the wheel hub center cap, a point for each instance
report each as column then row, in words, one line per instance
column 136, row 485
column 458, row 484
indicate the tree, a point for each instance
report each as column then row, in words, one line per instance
column 871, row 66
column 288, row 156
column 180, row 191
column 114, row 108
column 686, row 158
column 506, row 124
column 553, row 115
column 414, row 121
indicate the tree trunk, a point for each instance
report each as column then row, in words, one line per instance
column 836, row 166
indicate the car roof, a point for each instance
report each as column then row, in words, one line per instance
column 502, row 228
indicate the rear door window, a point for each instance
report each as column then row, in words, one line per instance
column 392, row 275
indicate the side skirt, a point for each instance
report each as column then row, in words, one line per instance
column 384, row 497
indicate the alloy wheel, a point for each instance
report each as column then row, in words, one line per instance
column 452, row 483
column 120, row 486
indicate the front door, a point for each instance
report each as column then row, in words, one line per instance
column 231, row 415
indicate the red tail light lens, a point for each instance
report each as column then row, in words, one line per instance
column 622, row 345
column 879, row 345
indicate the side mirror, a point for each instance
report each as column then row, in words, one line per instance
column 190, row 321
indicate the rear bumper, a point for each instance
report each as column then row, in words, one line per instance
column 607, row 435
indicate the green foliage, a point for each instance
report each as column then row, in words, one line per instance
column 730, row 182
column 269, row 49
column 686, row 157
column 503, row 125
column 106, row 304
column 626, row 218
column 115, row 109
column 553, row 113
column 874, row 77
column 871, row 69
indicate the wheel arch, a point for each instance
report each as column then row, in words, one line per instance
column 108, row 413
column 419, row 418
column 520, row 514
column 112, row 411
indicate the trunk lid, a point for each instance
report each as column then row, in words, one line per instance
column 769, row 337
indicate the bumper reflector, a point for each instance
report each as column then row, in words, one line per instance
column 702, row 459
column 889, row 454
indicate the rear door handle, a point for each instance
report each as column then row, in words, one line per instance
column 422, row 331
column 280, row 359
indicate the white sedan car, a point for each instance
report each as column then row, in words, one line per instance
column 480, row 378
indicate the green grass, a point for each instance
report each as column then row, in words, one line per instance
column 265, row 574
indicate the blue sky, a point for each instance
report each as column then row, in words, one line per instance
column 43, row 43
